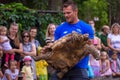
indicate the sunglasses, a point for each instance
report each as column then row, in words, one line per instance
column 25, row 36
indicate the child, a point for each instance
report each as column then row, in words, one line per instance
column 90, row 71
column 27, row 70
column 12, row 72
column 115, row 64
column 41, row 68
column 105, row 65
column 95, row 65
column 6, row 45
column 1, row 75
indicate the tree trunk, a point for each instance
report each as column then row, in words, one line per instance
column 114, row 11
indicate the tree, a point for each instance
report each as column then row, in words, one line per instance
column 92, row 9
column 114, row 11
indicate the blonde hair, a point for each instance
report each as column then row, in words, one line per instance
column 47, row 31
column 2, row 28
column 105, row 53
column 115, row 24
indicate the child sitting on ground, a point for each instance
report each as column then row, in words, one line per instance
column 115, row 64
column 12, row 72
column 105, row 69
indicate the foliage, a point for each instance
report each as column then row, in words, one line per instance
column 41, row 4
column 88, row 9
column 26, row 18
column 114, row 11
column 94, row 8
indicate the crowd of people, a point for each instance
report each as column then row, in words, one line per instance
column 17, row 50
column 106, row 43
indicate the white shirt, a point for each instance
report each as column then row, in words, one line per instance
column 115, row 40
column 6, row 45
column 12, row 75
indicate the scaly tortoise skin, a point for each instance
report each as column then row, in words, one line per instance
column 67, row 51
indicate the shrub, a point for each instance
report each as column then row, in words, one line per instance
column 26, row 18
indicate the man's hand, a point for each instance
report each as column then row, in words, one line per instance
column 45, row 49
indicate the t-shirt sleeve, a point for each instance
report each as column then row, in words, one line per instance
column 17, row 71
column 57, row 35
column 109, row 36
column 7, row 71
column 23, row 70
column 5, row 38
column 90, row 31
column 6, row 46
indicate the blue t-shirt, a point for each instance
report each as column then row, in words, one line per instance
column 80, row 27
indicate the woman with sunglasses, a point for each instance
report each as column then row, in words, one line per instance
column 29, row 49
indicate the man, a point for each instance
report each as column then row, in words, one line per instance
column 33, row 33
column 70, row 10
column 103, row 37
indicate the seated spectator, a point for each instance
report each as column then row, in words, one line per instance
column 113, row 39
column 12, row 72
column 93, row 62
column 97, row 42
column 105, row 69
column 115, row 64
column 103, row 37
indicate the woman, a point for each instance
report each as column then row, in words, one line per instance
column 49, row 40
column 113, row 39
column 50, row 31
column 29, row 49
column 15, row 42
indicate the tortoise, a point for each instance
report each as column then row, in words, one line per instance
column 66, row 52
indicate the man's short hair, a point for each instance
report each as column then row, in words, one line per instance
column 33, row 28
column 70, row 3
